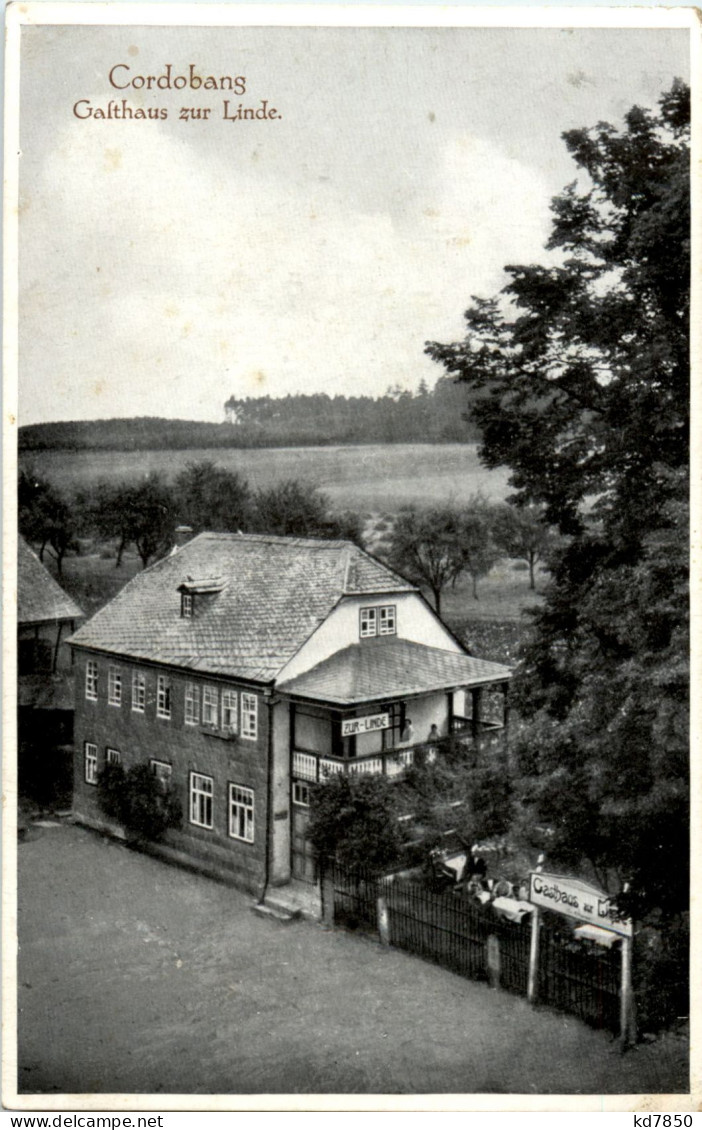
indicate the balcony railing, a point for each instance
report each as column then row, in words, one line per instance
column 393, row 762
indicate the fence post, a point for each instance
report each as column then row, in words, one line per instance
column 383, row 920
column 533, row 980
column 327, row 896
column 493, row 960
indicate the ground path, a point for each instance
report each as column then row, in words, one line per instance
column 135, row 976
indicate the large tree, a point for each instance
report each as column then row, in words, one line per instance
column 581, row 371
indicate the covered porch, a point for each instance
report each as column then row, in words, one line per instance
column 375, row 709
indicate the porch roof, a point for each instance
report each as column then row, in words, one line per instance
column 391, row 669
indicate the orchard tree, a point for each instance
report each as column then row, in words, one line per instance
column 151, row 512
column 209, row 497
column 580, row 370
column 46, row 517
column 521, row 532
column 294, row 508
column 424, row 547
column 434, row 546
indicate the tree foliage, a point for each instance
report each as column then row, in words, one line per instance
column 582, row 371
column 294, row 508
column 434, row 546
column 45, row 516
column 521, row 532
column 139, row 801
column 210, row 497
column 354, row 819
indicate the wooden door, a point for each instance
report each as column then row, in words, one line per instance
column 303, row 861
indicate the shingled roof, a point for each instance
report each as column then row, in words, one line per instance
column 275, row 592
column 40, row 599
column 391, row 668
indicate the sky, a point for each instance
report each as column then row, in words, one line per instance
column 167, row 265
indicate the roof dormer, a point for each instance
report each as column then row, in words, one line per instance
column 197, row 593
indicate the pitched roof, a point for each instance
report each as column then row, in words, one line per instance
column 39, row 597
column 276, row 591
column 389, row 668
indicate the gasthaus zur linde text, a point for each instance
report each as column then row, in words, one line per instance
column 122, row 77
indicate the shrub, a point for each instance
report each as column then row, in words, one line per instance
column 354, row 819
column 139, row 801
column 111, row 791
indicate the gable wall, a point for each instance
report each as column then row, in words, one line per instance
column 415, row 621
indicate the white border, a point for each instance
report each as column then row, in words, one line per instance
column 308, row 15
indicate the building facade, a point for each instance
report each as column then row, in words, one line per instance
column 244, row 668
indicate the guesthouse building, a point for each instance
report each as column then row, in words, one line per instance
column 243, row 669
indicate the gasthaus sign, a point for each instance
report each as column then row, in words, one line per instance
column 364, row 725
column 577, row 900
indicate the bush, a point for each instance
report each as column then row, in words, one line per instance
column 354, row 820
column 139, row 801
column 661, row 974
column 111, row 785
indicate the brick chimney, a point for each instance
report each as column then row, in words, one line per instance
column 183, row 534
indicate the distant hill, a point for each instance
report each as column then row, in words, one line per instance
column 436, row 416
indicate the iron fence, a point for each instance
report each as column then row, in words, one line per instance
column 469, row 939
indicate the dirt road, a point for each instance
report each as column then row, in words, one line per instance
column 138, row 977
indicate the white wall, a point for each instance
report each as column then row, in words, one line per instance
column 415, row 621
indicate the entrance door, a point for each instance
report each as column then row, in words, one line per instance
column 303, row 861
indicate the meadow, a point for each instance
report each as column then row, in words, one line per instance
column 373, row 478
column 373, row 481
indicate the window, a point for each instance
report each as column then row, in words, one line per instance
column 229, row 711
column 113, row 757
column 186, row 605
column 201, row 789
column 162, row 772
column 91, row 680
column 114, row 686
column 387, row 620
column 192, row 704
column 241, row 813
column 301, row 793
column 249, row 711
column 210, row 706
column 381, row 621
column 163, row 697
column 91, row 769
column 138, row 691
column 368, row 622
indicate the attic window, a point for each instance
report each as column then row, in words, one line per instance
column 204, row 588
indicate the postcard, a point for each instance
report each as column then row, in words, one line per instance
column 346, row 464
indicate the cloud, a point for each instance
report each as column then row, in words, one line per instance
column 168, row 277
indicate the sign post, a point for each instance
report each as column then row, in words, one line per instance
column 585, row 903
column 626, row 998
column 533, row 982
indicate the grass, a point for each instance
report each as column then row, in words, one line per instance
column 92, row 580
column 377, row 479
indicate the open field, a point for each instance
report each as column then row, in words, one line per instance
column 377, row 477
column 135, row 976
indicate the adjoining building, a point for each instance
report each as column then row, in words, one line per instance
column 243, row 668
column 46, row 616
